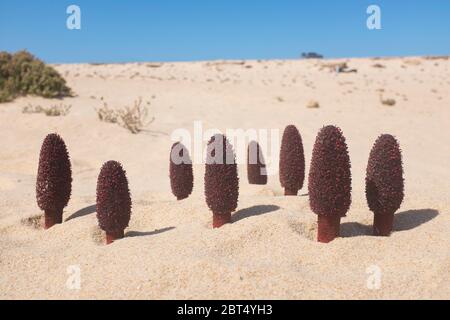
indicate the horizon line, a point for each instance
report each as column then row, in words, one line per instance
column 251, row 59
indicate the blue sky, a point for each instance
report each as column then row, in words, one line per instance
column 183, row 30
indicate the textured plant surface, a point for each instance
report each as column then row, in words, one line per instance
column 384, row 176
column 256, row 168
column 113, row 198
column 54, row 177
column 181, row 175
column 221, row 178
column 329, row 182
column 292, row 160
column 22, row 73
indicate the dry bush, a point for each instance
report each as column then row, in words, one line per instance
column 332, row 66
column 378, row 65
column 436, row 57
column 224, row 62
column 34, row 221
column 134, row 118
column 52, row 111
column 107, row 114
column 412, row 62
column 154, row 65
column 388, row 102
column 29, row 108
column 57, row 110
column 312, row 104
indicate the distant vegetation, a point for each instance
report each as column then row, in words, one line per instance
column 52, row 111
column 21, row 73
column 311, row 55
column 134, row 119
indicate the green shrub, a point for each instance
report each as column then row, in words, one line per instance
column 21, row 73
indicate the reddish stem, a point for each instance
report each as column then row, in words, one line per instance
column 52, row 217
column 112, row 236
column 382, row 224
column 219, row 219
column 328, row 228
column 290, row 192
column 257, row 181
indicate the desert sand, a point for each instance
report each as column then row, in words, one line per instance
column 269, row 251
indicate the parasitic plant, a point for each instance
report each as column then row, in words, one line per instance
column 292, row 161
column 113, row 201
column 384, row 183
column 54, row 179
column 181, row 176
column 256, row 167
column 329, row 182
column 221, row 180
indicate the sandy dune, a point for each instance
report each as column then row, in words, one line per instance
column 269, row 251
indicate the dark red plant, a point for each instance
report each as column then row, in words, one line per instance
column 54, row 179
column 292, row 161
column 221, row 180
column 113, row 201
column 256, row 167
column 181, row 176
column 384, row 183
column 329, row 182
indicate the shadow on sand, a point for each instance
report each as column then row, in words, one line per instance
column 147, row 233
column 253, row 211
column 403, row 221
column 82, row 212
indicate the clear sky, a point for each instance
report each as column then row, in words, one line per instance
column 183, row 30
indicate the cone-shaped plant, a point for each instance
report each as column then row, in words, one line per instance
column 329, row 182
column 221, row 180
column 54, row 179
column 181, row 176
column 113, row 201
column 256, row 167
column 292, row 161
column 384, row 183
